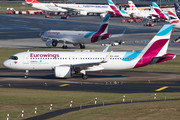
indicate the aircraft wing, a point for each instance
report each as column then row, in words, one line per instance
column 93, row 66
column 69, row 8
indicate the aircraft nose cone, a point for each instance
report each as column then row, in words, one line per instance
column 5, row 63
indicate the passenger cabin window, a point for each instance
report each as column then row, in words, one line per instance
column 14, row 58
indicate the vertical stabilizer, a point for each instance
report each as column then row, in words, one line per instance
column 157, row 47
column 133, row 8
column 104, row 25
column 158, row 10
column 114, row 8
column 173, row 19
column 177, row 9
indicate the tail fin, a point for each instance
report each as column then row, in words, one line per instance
column 156, row 48
column 116, row 11
column 159, row 44
column 32, row 1
column 173, row 19
column 159, row 11
column 104, row 25
column 177, row 9
column 114, row 8
column 112, row 5
column 132, row 7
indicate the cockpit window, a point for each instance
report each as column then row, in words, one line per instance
column 14, row 58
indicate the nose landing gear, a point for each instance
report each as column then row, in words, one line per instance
column 26, row 74
column 82, row 46
column 84, row 76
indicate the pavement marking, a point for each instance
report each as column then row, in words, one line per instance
column 63, row 85
column 162, row 88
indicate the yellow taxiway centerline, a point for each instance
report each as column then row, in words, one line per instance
column 162, row 88
column 64, row 85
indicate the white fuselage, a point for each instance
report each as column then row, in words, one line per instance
column 50, row 7
column 50, row 60
column 144, row 13
column 72, row 7
column 75, row 37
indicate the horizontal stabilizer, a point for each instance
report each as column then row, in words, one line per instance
column 106, row 49
column 118, row 35
column 163, row 58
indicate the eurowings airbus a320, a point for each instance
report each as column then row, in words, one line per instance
column 53, row 37
column 65, row 64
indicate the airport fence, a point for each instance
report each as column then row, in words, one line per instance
column 97, row 101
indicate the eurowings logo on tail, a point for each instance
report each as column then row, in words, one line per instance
column 156, row 50
column 114, row 8
column 101, row 34
column 159, row 11
column 116, row 11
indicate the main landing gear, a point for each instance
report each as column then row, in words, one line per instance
column 84, row 74
column 26, row 74
column 82, row 46
column 64, row 46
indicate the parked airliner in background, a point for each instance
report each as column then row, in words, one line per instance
column 160, row 14
column 53, row 37
column 82, row 9
column 140, row 14
column 65, row 64
column 48, row 7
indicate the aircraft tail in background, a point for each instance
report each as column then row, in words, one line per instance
column 116, row 11
column 173, row 19
column 159, row 12
column 133, row 8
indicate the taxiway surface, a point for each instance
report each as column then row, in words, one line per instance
column 107, row 81
column 22, row 31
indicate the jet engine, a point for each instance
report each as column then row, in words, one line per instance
column 51, row 43
column 63, row 72
column 83, row 13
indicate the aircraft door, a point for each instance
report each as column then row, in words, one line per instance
column 26, row 58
